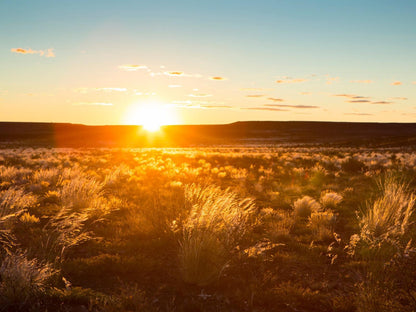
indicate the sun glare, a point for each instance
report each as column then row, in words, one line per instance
column 151, row 116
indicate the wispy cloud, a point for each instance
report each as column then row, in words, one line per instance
column 362, row 81
column 201, row 104
column 359, row 101
column 289, row 80
column 217, row 78
column 399, row 98
column 275, row 99
column 255, row 89
column 382, row 102
column 352, row 96
column 200, row 95
column 305, row 93
column 292, row 106
column 265, row 109
column 111, row 89
column 255, row 95
column 396, row 83
column 331, row 80
column 92, row 104
column 180, row 74
column 359, row 114
column 216, row 106
column 84, row 90
column 175, row 73
column 45, row 53
column 132, row 67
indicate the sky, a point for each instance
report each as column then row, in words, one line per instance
column 207, row 62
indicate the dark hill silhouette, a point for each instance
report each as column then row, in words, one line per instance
column 248, row 132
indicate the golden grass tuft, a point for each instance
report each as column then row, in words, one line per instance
column 217, row 221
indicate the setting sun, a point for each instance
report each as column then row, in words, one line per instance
column 151, row 115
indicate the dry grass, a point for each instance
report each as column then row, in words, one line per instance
column 22, row 280
column 303, row 207
column 218, row 219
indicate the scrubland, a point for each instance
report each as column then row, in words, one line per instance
column 207, row 229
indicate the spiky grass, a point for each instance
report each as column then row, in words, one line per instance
column 303, row 207
column 22, row 279
column 217, row 221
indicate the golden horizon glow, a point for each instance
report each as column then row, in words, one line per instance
column 151, row 115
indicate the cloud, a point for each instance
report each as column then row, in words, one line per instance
column 84, row 90
column 265, row 109
column 50, row 53
column 275, row 99
column 46, row 53
column 216, row 106
column 298, row 80
column 396, row 83
column 218, row 78
column 111, row 89
column 175, row 73
column 362, row 81
column 352, row 96
column 200, row 104
column 331, row 80
column 254, row 95
column 200, row 95
column 92, row 104
column 358, row 114
column 359, row 101
column 292, row 106
column 179, row 74
column 132, row 67
column 382, row 102
column 255, row 89
column 399, row 98
column 305, row 93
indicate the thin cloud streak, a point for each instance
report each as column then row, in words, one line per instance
column 292, row 106
column 362, row 81
column 289, row 81
column 45, row 53
column 275, row 99
column 132, row 67
column 265, row 109
column 92, row 104
column 217, row 78
column 359, row 114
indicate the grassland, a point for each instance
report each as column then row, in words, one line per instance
column 207, row 229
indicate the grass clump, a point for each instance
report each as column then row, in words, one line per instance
column 384, row 244
column 303, row 207
column 22, row 280
column 217, row 221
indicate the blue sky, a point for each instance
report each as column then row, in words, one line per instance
column 280, row 60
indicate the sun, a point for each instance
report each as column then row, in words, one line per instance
column 151, row 116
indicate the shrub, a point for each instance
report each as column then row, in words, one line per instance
column 303, row 207
column 217, row 221
column 322, row 225
column 385, row 244
column 278, row 224
column 330, row 200
column 22, row 279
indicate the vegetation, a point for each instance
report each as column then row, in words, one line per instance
column 207, row 229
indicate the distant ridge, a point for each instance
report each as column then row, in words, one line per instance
column 243, row 132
